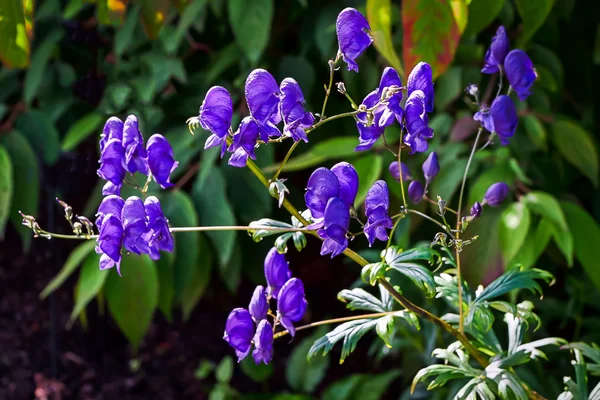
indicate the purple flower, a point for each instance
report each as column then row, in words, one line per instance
column 485, row 117
column 416, row 122
column 376, row 210
column 369, row 131
column 263, row 342
column 277, row 272
column 520, row 72
column 136, row 157
column 161, row 160
column 352, row 33
column 291, row 304
column 421, row 78
column 431, row 167
column 112, row 162
column 500, row 118
column 258, row 304
column 111, row 204
column 336, row 221
column 395, row 171
column 109, row 242
column 392, row 110
column 495, row 194
column 239, row 330
column 135, row 226
column 476, row 210
column 110, row 188
column 416, row 191
column 496, row 53
column 113, row 129
column 215, row 116
column 291, row 107
column 348, row 182
column 244, row 142
column 159, row 235
column 322, row 186
column 262, row 96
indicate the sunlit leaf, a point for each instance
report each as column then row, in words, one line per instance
column 516, row 278
column 360, row 299
column 379, row 14
column 420, row 275
column 6, row 188
column 251, row 25
column 14, row 43
column 111, row 12
column 81, row 129
column 513, row 228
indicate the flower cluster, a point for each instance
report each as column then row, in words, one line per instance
column 501, row 117
column 245, row 327
column 135, row 224
column 416, row 190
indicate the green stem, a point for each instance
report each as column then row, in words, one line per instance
column 285, row 160
column 444, row 227
column 400, row 171
column 332, row 64
column 324, row 121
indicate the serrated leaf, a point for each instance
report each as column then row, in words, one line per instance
column 420, row 275
column 348, row 332
column 379, row 14
column 251, row 25
column 442, row 374
column 533, row 15
column 77, row 256
column 6, row 188
column 259, row 234
column 301, row 375
column 80, row 130
column 360, row 299
column 576, row 145
column 39, row 60
column 14, row 42
column 515, row 279
column 91, row 280
column 513, row 228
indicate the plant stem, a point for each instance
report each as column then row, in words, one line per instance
column 321, row 122
column 285, row 160
column 400, row 172
column 458, row 223
column 332, row 64
column 410, row 210
column 436, row 203
column 235, row 228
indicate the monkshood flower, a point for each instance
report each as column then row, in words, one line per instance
column 421, row 78
column 395, row 171
column 291, row 304
column 341, row 181
column 391, row 109
column 336, row 221
column 416, row 122
column 352, row 29
column 258, row 304
column 496, row 53
column 277, row 272
column 520, row 73
column 159, row 235
column 262, row 96
column 263, row 343
column 369, row 131
column 135, row 226
column 501, row 118
column 291, row 108
column 377, row 204
column 136, row 157
column 431, row 167
column 348, row 181
column 111, row 204
column 495, row 194
column 110, row 188
column 111, row 162
column 476, row 210
column 161, row 160
column 108, row 244
column 239, row 330
column 244, row 142
column 113, row 129
column 416, row 191
column 215, row 116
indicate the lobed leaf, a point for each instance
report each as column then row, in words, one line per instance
column 359, row 299
column 516, row 278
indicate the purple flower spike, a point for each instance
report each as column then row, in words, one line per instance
column 369, row 134
column 136, row 157
column 239, row 330
column 336, row 221
column 417, row 122
column 291, row 304
column 161, row 160
column 495, row 194
column 431, row 167
column 348, row 181
column 111, row 162
column 111, row 204
column 322, row 186
column 109, row 242
column 215, row 116
column 244, row 142
column 110, row 188
column 258, row 304
column 476, row 210
column 392, row 110
column 291, row 107
column 395, row 171
column 520, row 72
column 263, row 343
column 277, row 272
column 376, row 210
column 416, row 191
column 504, row 116
column 159, row 235
column 135, row 226
column 421, row 78
column 353, row 38
column 113, row 129
column 262, row 96
column 496, row 53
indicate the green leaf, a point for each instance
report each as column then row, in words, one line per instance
column 26, row 182
column 6, row 188
column 133, row 297
column 564, row 242
column 348, row 332
column 372, row 272
column 481, row 14
column 173, row 36
column 547, row 206
column 375, row 386
column 533, row 15
column 448, row 88
column 385, row 329
column 533, row 248
column 330, row 149
column 91, row 280
column 586, row 236
column 154, row 14
column 42, row 135
column 512, row 229
column 72, row 9
column 369, row 169
column 125, row 34
column 258, row 373
column 196, row 286
column 224, row 370
column 379, row 14
column 442, row 374
column 430, row 34
column 449, row 179
column 251, row 25
column 420, row 275
column 499, row 173
column 111, row 12
column 80, row 130
column 536, row 132
column 301, row 375
column 576, row 145
column 360, row 299
column 461, row 13
column 73, row 261
column 36, row 72
column 164, row 269
column 516, row 278
column 301, row 70
column 14, row 43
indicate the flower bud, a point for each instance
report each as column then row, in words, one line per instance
column 258, row 304
column 476, row 210
column 395, row 171
column 431, row 167
column 341, row 87
column 495, row 194
column 472, row 89
column 415, row 191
